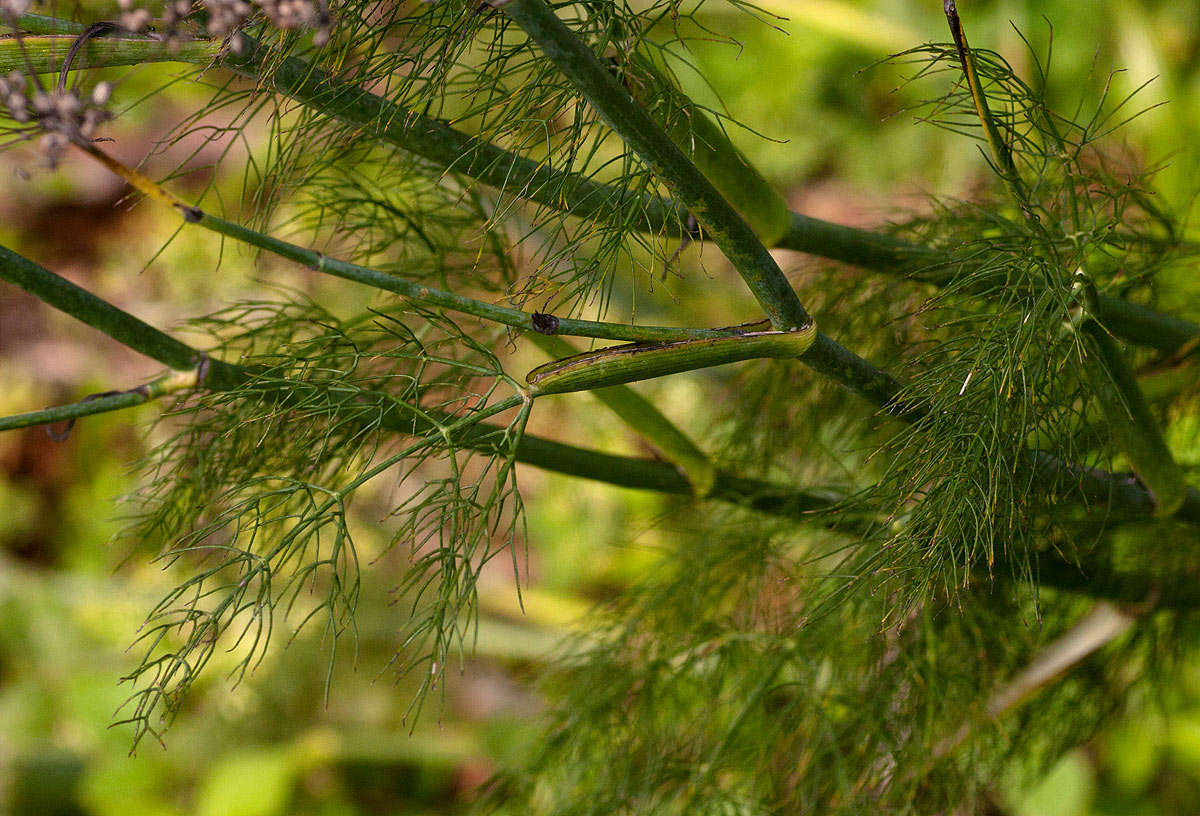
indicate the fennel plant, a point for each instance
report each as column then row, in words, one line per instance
column 911, row 511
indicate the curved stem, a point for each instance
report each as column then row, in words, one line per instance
column 172, row 383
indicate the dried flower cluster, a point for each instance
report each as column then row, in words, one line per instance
column 62, row 114
column 225, row 17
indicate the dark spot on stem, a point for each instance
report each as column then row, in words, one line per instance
column 202, row 369
column 544, row 323
column 193, row 215
column 61, row 436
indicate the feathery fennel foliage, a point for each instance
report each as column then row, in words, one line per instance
column 835, row 644
column 252, row 493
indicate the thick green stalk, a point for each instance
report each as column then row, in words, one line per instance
column 642, row 416
column 430, row 138
column 44, row 24
column 719, row 220
column 103, row 316
column 632, row 362
column 49, row 52
column 446, row 147
column 693, row 131
column 451, row 149
column 1133, row 426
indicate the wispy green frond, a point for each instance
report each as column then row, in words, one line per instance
column 249, row 500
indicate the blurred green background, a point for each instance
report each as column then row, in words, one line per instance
column 71, row 601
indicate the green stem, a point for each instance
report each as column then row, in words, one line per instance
column 446, row 147
column 615, row 105
column 642, row 416
column 633, row 362
column 43, row 24
column 46, row 53
column 171, row 383
column 451, row 149
column 646, row 76
column 103, row 316
column 1000, row 149
column 421, row 293
column 1134, row 427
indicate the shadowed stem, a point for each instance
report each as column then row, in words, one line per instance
column 1099, row 627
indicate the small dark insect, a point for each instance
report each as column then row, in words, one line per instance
column 544, row 323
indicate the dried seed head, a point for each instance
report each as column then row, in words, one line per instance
column 225, row 17
column 101, row 93
column 137, row 20
column 53, row 145
column 43, row 105
column 15, row 8
column 61, row 114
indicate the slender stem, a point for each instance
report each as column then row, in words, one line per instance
column 171, row 383
column 1000, row 149
column 577, row 195
column 615, row 105
column 419, row 292
column 1120, row 496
